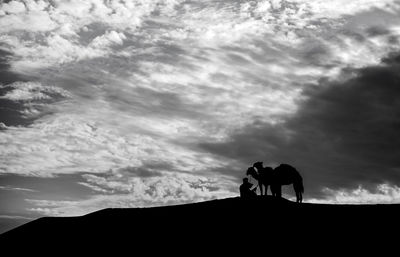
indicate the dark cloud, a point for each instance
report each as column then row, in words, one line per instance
column 10, row 111
column 393, row 59
column 344, row 135
column 316, row 53
column 7, row 76
column 62, row 187
column 151, row 103
column 16, row 112
column 377, row 31
column 145, row 171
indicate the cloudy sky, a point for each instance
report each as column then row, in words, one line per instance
column 136, row 103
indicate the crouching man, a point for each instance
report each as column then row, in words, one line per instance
column 246, row 191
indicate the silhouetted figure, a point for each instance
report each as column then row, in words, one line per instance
column 284, row 174
column 245, row 189
column 263, row 175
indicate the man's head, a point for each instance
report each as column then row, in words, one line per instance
column 245, row 180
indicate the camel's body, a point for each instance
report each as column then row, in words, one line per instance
column 284, row 174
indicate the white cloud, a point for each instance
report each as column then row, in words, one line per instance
column 338, row 8
column 34, row 98
column 281, row 24
column 57, row 50
column 14, row 217
column 38, row 5
column 3, row 126
column 13, row 7
column 70, row 143
column 383, row 194
column 109, row 38
column 16, row 189
column 166, row 77
column 27, row 91
column 116, row 14
column 14, row 16
column 234, row 65
column 47, row 32
column 93, row 187
column 123, row 192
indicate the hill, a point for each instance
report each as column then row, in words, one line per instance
column 231, row 223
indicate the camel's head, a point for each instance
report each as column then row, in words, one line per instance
column 258, row 165
column 250, row 171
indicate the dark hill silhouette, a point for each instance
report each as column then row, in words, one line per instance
column 233, row 224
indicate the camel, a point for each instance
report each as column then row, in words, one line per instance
column 284, row 174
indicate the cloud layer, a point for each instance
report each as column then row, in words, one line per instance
column 141, row 96
column 127, row 188
column 344, row 132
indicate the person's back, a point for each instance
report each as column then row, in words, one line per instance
column 245, row 189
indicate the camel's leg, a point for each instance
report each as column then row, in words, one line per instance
column 279, row 191
column 273, row 190
column 261, row 188
column 299, row 196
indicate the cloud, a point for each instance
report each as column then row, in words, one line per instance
column 108, row 39
column 13, row 7
column 343, row 134
column 62, row 29
column 121, row 190
column 64, row 144
column 335, row 9
column 28, row 91
column 15, row 217
column 16, row 189
column 15, row 16
column 161, row 88
column 50, row 15
column 47, row 33
column 382, row 194
column 7, row 76
column 56, row 50
column 23, row 102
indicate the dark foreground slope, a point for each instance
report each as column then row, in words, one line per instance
column 232, row 224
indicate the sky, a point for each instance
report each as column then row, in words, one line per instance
column 157, row 102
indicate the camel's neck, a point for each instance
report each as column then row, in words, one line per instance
column 255, row 175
